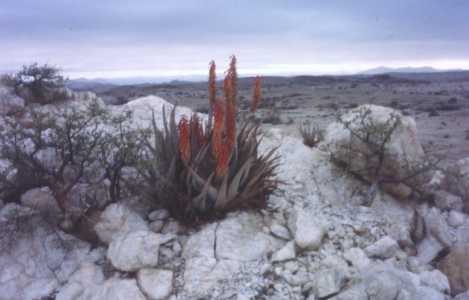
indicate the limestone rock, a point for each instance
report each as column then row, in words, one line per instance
column 286, row 253
column 155, row 283
column 118, row 219
column 401, row 151
column 384, row 248
column 134, row 250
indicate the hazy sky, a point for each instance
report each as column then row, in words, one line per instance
column 103, row 38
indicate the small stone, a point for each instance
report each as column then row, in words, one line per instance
column 456, row 218
column 328, row 282
column 285, row 253
column 280, row 231
column 156, row 284
column 308, row 233
column 118, row 219
column 445, row 200
column 172, row 227
column 160, row 214
column 134, row 250
column 435, row 279
column 384, row 248
column 156, row 226
column 357, row 257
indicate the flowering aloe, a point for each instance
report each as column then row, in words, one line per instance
column 203, row 172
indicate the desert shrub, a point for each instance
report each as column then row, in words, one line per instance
column 37, row 84
column 57, row 150
column 312, row 135
column 370, row 155
column 201, row 172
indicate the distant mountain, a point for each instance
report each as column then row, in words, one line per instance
column 386, row 70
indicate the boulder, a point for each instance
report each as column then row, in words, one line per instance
column 134, row 250
column 401, row 151
column 118, row 219
column 455, row 265
column 156, row 284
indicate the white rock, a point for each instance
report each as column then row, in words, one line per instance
column 159, row 214
column 240, row 237
column 118, row 289
column 358, row 258
column 143, row 108
column 156, row 284
column 328, row 282
column 82, row 284
column 428, row 249
column 118, row 219
column 172, row 227
column 134, row 250
column 38, row 258
column 456, row 218
column 286, row 253
column 384, row 248
column 308, row 233
column 429, row 294
column 41, row 199
column 156, row 226
column 436, row 280
column 280, row 231
column 445, row 200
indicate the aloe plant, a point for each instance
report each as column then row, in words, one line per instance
column 199, row 171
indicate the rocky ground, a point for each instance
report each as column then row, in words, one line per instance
column 438, row 102
column 318, row 239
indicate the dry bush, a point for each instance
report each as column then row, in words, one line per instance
column 199, row 172
column 72, row 151
column 37, row 84
column 311, row 134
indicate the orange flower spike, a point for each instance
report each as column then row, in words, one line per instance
column 257, row 94
column 184, row 139
column 212, row 84
column 218, row 127
column 234, row 78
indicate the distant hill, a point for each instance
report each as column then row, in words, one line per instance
column 386, row 70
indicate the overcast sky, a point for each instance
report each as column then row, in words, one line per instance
column 113, row 38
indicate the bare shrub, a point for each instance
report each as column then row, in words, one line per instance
column 201, row 172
